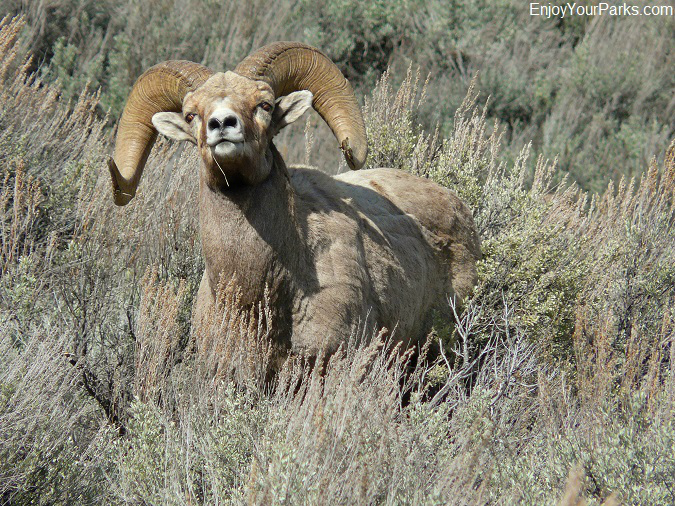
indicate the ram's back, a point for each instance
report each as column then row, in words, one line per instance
column 385, row 244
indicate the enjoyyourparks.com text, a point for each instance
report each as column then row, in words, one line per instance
column 549, row 10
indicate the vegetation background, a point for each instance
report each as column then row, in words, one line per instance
column 557, row 380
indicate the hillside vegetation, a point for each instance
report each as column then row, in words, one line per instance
column 556, row 382
column 595, row 92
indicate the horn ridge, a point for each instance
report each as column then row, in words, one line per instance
column 292, row 66
column 160, row 88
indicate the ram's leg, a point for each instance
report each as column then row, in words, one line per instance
column 328, row 323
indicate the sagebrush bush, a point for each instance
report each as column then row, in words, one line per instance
column 47, row 421
column 610, row 113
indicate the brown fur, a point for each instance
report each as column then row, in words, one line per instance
column 379, row 246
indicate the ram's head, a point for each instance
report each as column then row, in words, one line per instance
column 232, row 116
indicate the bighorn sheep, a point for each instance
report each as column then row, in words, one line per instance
column 380, row 244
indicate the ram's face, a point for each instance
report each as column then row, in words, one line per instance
column 230, row 117
column 232, row 120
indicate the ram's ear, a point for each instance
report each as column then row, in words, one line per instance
column 173, row 126
column 289, row 108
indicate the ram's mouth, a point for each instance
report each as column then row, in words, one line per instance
column 213, row 141
column 225, row 148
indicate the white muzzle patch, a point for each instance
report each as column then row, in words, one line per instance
column 224, row 126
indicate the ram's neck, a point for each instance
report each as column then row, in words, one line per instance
column 249, row 233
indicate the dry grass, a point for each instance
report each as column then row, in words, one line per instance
column 20, row 199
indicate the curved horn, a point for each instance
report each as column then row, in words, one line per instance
column 160, row 88
column 291, row 66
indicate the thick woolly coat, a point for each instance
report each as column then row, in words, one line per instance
column 381, row 247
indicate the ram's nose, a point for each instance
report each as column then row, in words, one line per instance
column 230, row 121
column 224, row 125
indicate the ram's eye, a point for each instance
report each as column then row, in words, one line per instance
column 265, row 106
column 189, row 117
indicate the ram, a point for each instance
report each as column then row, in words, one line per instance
column 378, row 245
